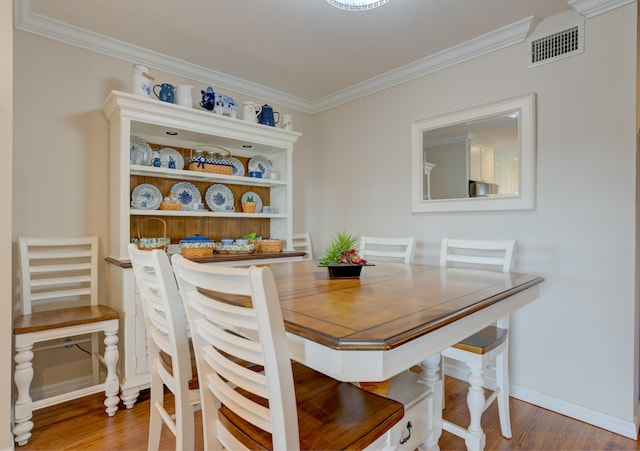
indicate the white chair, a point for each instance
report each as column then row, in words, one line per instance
column 302, row 242
column 387, row 249
column 59, row 294
column 481, row 349
column 235, row 312
column 169, row 354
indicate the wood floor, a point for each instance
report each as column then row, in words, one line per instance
column 83, row 425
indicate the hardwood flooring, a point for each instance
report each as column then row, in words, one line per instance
column 83, row 425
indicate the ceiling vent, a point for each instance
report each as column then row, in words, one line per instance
column 552, row 45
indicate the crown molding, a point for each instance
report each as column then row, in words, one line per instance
column 490, row 42
column 592, row 8
column 27, row 20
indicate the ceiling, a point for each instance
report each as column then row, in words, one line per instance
column 304, row 51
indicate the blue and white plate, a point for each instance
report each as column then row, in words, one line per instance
column 138, row 145
column 149, row 196
column 219, row 197
column 238, row 167
column 256, row 199
column 259, row 164
column 167, row 154
column 186, row 193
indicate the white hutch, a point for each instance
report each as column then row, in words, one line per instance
column 181, row 128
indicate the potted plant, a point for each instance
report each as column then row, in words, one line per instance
column 340, row 256
column 249, row 205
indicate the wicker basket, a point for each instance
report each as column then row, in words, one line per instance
column 269, row 246
column 149, row 244
column 196, row 252
column 170, row 206
column 196, row 246
column 221, row 165
column 249, row 207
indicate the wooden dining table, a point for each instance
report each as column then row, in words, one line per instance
column 393, row 317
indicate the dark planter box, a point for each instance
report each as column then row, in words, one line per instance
column 351, row 271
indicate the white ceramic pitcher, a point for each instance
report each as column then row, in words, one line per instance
column 141, row 80
column 250, row 111
column 183, row 95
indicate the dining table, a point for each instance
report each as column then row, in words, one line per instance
column 394, row 317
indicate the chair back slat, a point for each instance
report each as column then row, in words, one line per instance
column 376, row 248
column 60, row 271
column 165, row 319
column 236, row 322
column 302, row 242
column 486, row 254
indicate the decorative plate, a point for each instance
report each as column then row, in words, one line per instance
column 256, row 199
column 138, row 144
column 219, row 197
column 148, row 194
column 186, row 193
column 238, row 167
column 167, row 154
column 259, row 163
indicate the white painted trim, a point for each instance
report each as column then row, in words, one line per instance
column 620, row 426
column 27, row 20
column 490, row 42
column 599, row 419
column 60, row 388
column 591, row 8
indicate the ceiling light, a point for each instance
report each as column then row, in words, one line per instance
column 356, row 5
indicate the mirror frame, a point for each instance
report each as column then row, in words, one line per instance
column 525, row 105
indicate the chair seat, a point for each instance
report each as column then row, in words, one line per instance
column 55, row 319
column 483, row 341
column 332, row 415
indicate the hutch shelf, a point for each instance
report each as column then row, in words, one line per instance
column 165, row 125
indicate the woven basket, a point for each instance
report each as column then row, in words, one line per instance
column 269, row 245
column 220, row 165
column 170, row 206
column 196, row 252
column 249, row 207
column 149, row 244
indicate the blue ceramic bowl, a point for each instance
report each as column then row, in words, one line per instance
column 257, row 174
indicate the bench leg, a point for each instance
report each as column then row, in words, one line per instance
column 112, row 385
column 23, row 376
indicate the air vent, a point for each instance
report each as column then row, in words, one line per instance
column 556, row 45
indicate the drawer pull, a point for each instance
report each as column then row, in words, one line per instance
column 405, row 440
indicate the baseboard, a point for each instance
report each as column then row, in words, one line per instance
column 61, row 387
column 627, row 428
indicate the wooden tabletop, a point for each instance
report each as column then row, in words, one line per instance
column 390, row 304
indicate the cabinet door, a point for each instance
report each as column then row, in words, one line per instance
column 480, row 162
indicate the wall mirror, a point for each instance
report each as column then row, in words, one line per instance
column 479, row 159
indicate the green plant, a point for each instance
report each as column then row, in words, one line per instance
column 342, row 249
column 249, row 200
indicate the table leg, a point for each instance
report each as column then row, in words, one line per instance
column 431, row 377
column 475, row 438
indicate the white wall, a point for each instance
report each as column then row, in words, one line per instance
column 6, row 146
column 61, row 178
column 579, row 336
column 352, row 171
